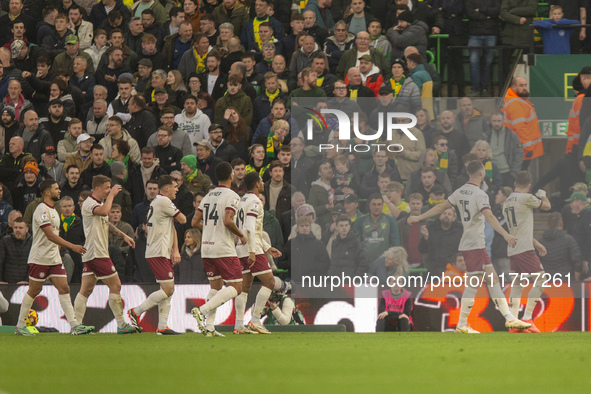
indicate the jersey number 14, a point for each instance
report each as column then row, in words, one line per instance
column 211, row 214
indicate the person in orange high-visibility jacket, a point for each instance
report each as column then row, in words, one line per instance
column 573, row 132
column 521, row 118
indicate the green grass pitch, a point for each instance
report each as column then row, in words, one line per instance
column 297, row 363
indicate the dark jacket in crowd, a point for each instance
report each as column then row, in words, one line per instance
column 226, row 152
column 582, row 232
column 207, row 167
column 123, row 198
column 169, row 157
column 564, row 254
column 91, row 172
column 14, row 254
column 308, row 256
column 135, row 182
column 369, row 183
column 441, row 246
column 283, row 199
column 184, row 200
column 348, row 256
column 139, row 213
column 141, row 126
column 191, row 270
column 38, row 142
column 485, row 21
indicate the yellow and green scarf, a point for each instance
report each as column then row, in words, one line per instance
column 67, row 222
column 191, row 176
column 200, row 69
column 272, row 96
column 270, row 147
column 432, row 203
column 396, row 86
column 488, row 169
column 250, row 169
column 442, row 161
column 255, row 27
column 320, row 81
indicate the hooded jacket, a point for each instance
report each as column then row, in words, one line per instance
column 38, row 142
column 96, row 54
column 196, row 127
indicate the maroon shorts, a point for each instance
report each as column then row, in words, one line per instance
column 101, row 267
column 476, row 259
column 162, row 269
column 526, row 263
column 40, row 273
column 227, row 268
column 260, row 266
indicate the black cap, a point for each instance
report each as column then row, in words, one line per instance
column 351, row 198
column 338, row 209
column 56, row 101
column 437, row 189
column 586, row 70
column 385, row 90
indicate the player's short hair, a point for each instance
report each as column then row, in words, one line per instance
column 99, row 180
column 165, row 180
column 523, row 178
column 237, row 162
column 46, row 185
column 115, row 207
column 251, row 179
column 474, row 167
column 415, row 196
column 304, row 220
column 468, row 157
column 375, row 196
column 395, row 186
column 343, row 218
column 223, row 171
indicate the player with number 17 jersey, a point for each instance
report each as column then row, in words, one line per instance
column 217, row 240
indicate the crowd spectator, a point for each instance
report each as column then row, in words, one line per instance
column 563, row 255
column 440, row 241
column 14, row 253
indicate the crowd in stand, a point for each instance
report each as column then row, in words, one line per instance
column 133, row 91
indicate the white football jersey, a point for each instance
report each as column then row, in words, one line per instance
column 96, row 230
column 217, row 240
column 471, row 201
column 519, row 215
column 249, row 219
column 160, row 227
column 43, row 251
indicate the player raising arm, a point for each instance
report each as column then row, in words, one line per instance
column 474, row 208
column 97, row 261
column 217, row 210
column 519, row 214
column 252, row 256
column 45, row 261
column 162, row 253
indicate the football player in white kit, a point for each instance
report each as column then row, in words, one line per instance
column 252, row 256
column 218, row 249
column 45, row 261
column 474, row 208
column 519, row 214
column 162, row 253
column 97, row 261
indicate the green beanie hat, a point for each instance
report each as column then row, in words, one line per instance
column 190, row 160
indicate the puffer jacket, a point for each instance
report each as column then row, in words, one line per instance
column 348, row 256
column 14, row 254
column 564, row 255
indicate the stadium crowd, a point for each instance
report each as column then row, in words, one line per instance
column 137, row 90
